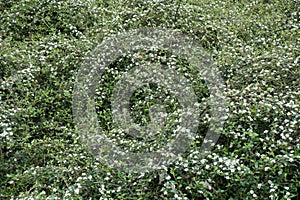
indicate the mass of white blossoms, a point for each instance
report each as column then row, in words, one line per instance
column 255, row 46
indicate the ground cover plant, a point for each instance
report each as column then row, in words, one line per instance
column 254, row 44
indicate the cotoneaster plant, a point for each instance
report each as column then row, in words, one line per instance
column 254, row 45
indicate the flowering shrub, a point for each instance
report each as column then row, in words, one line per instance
column 255, row 45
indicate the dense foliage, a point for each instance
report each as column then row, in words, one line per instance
column 254, row 44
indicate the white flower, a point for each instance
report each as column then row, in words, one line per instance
column 272, row 190
column 270, row 182
column 119, row 189
column 76, row 191
column 4, row 134
column 267, row 168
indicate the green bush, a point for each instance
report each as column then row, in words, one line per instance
column 254, row 44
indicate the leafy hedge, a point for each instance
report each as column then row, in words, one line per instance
column 255, row 45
